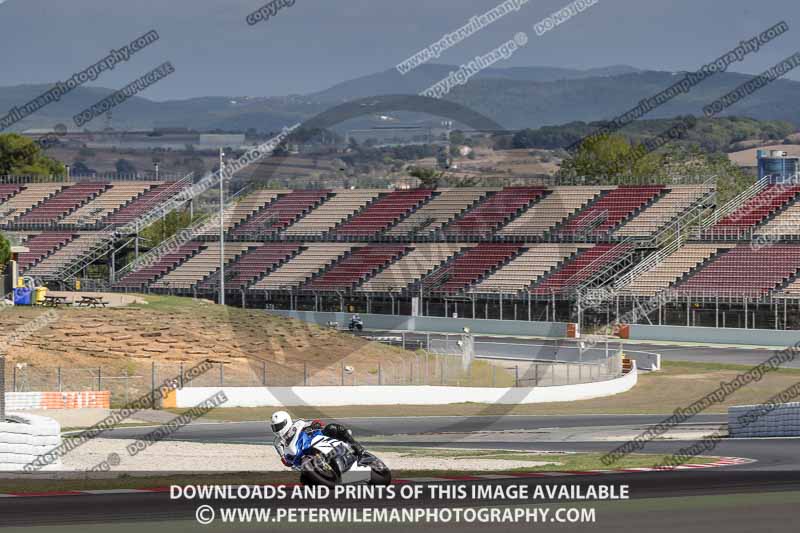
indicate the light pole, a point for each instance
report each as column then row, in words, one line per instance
column 221, row 228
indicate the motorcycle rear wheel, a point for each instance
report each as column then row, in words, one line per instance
column 317, row 471
column 381, row 475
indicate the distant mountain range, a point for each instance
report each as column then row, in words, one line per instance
column 519, row 97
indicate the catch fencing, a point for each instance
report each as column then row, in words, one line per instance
column 418, row 368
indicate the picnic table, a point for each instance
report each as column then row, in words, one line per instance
column 91, row 301
column 54, row 301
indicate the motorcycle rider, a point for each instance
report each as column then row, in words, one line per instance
column 295, row 437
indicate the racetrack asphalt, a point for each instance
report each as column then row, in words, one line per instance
column 540, row 349
column 686, row 501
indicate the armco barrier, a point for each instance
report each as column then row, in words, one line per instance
column 437, row 324
column 398, row 395
column 28, row 401
column 782, row 421
column 758, row 337
column 23, row 438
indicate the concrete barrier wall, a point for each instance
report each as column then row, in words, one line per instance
column 437, row 324
column 644, row 360
column 759, row 337
column 24, row 437
column 26, row 401
column 781, row 420
column 399, row 395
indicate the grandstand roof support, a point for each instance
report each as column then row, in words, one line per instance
column 745, row 313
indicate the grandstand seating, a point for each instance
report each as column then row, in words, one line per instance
column 41, row 246
column 495, row 211
column 145, row 203
column 279, row 214
column 118, row 195
column 489, row 217
column 77, row 247
column 755, row 210
column 254, row 264
column 150, row 272
column 745, row 270
column 239, row 211
column 315, row 257
column 356, row 267
column 62, row 203
column 199, row 266
column 580, row 268
column 670, row 269
column 793, row 288
column 7, row 190
column 470, row 267
column 345, row 203
column 422, row 260
column 526, row 268
column 551, row 210
column 28, row 198
column 442, row 208
column 786, row 223
column 610, row 210
column 384, row 212
column 677, row 201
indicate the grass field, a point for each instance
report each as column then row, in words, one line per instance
column 677, row 385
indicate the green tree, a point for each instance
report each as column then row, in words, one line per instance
column 22, row 156
column 125, row 167
column 610, row 159
column 5, row 250
column 167, row 227
column 428, row 177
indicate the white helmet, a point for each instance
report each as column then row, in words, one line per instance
column 281, row 423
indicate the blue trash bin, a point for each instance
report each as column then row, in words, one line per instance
column 22, row 296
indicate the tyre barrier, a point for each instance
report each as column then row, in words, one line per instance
column 24, row 438
column 767, row 420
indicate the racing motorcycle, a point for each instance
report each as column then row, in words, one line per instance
column 356, row 324
column 327, row 461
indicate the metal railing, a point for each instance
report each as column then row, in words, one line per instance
column 195, row 229
column 2, row 388
column 414, row 368
column 112, row 231
column 735, row 203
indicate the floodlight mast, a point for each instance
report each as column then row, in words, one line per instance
column 221, row 228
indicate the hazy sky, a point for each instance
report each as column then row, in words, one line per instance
column 317, row 43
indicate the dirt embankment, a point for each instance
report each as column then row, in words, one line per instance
column 171, row 331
